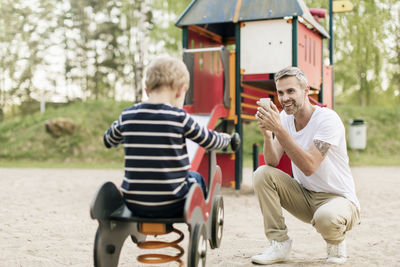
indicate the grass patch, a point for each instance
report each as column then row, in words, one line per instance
column 383, row 128
column 24, row 141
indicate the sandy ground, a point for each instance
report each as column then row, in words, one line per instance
column 44, row 221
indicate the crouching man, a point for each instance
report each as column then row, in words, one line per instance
column 322, row 192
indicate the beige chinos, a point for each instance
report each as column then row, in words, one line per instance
column 331, row 215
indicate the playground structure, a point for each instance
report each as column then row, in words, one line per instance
column 204, row 217
column 232, row 49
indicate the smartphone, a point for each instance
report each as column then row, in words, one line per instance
column 266, row 102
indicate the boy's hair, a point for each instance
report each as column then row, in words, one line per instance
column 292, row 71
column 166, row 71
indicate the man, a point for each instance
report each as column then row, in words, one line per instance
column 322, row 192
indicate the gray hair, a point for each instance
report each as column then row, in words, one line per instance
column 292, row 71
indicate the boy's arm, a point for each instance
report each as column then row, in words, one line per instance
column 203, row 136
column 113, row 136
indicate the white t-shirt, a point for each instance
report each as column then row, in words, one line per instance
column 333, row 175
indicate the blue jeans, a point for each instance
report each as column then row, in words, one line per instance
column 195, row 177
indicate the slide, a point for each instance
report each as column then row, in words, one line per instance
column 196, row 152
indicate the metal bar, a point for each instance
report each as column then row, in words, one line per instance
column 258, row 89
column 246, row 105
column 252, row 97
column 239, row 126
column 248, row 117
column 206, row 49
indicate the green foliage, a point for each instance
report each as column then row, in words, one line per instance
column 23, row 45
column 165, row 31
column 98, row 48
column 360, row 49
column 393, row 91
column 365, row 59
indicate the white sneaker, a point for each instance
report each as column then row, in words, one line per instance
column 336, row 252
column 277, row 252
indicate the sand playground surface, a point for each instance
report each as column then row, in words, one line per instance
column 44, row 221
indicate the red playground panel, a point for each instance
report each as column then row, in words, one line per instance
column 208, row 76
column 309, row 55
column 284, row 165
column 227, row 161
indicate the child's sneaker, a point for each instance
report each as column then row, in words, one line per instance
column 277, row 252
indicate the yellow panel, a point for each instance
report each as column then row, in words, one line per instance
column 232, row 87
column 342, row 6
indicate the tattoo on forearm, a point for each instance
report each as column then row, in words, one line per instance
column 322, row 146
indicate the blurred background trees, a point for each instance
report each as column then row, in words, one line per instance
column 68, row 50
column 364, row 46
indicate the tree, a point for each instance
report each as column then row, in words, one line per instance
column 25, row 38
column 165, row 34
column 92, row 48
column 394, row 85
column 360, row 50
column 137, row 23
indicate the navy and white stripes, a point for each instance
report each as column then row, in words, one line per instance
column 156, row 159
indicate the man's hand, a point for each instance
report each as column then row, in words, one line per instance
column 268, row 119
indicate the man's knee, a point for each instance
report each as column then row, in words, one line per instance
column 261, row 176
column 326, row 223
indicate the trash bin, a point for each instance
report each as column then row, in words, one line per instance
column 357, row 134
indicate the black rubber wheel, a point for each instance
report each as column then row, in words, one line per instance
column 197, row 247
column 96, row 240
column 217, row 226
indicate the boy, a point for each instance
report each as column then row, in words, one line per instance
column 157, row 176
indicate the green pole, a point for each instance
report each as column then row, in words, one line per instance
column 331, row 49
column 238, row 127
column 294, row 42
column 330, row 33
column 185, row 37
column 321, row 91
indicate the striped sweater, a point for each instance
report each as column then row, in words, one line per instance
column 156, row 159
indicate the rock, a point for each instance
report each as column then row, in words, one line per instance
column 60, row 126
